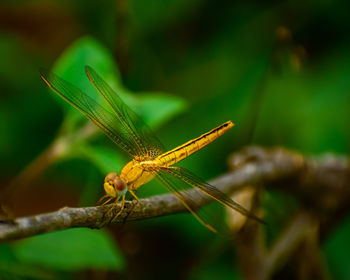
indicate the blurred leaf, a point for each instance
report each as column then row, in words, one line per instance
column 92, row 189
column 73, row 249
column 314, row 111
column 158, row 108
column 106, row 159
column 12, row 268
column 86, row 51
column 337, row 249
column 6, row 253
column 70, row 66
column 153, row 108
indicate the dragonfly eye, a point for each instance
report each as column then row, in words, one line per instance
column 114, row 185
column 119, row 185
column 109, row 185
column 110, row 177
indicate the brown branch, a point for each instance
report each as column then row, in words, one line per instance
column 308, row 178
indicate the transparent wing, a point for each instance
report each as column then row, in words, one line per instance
column 190, row 198
column 145, row 139
column 191, row 179
column 103, row 118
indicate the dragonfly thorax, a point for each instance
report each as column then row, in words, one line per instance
column 114, row 186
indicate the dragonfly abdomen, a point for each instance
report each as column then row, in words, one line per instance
column 190, row 147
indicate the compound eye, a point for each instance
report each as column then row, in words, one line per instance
column 110, row 176
column 119, row 184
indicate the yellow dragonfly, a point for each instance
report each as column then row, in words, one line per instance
column 149, row 159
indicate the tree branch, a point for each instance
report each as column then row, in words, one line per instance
column 325, row 178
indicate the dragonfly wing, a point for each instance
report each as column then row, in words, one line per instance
column 103, row 118
column 191, row 179
column 143, row 136
column 190, row 198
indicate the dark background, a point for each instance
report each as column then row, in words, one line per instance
column 278, row 69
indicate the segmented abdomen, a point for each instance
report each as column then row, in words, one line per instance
column 190, row 147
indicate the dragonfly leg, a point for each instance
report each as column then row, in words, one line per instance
column 108, row 200
column 101, row 199
column 134, row 195
column 113, row 206
column 104, row 222
column 133, row 207
column 121, row 209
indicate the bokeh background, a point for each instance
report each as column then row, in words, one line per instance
column 278, row 69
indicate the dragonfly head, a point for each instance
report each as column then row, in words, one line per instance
column 114, row 186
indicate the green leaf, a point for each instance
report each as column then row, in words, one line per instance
column 106, row 159
column 6, row 253
column 87, row 51
column 73, row 249
column 337, row 251
column 70, row 67
column 154, row 108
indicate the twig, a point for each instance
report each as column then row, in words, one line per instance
column 251, row 166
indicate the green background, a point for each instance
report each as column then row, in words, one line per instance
column 278, row 69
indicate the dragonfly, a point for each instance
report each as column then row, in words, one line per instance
column 149, row 158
